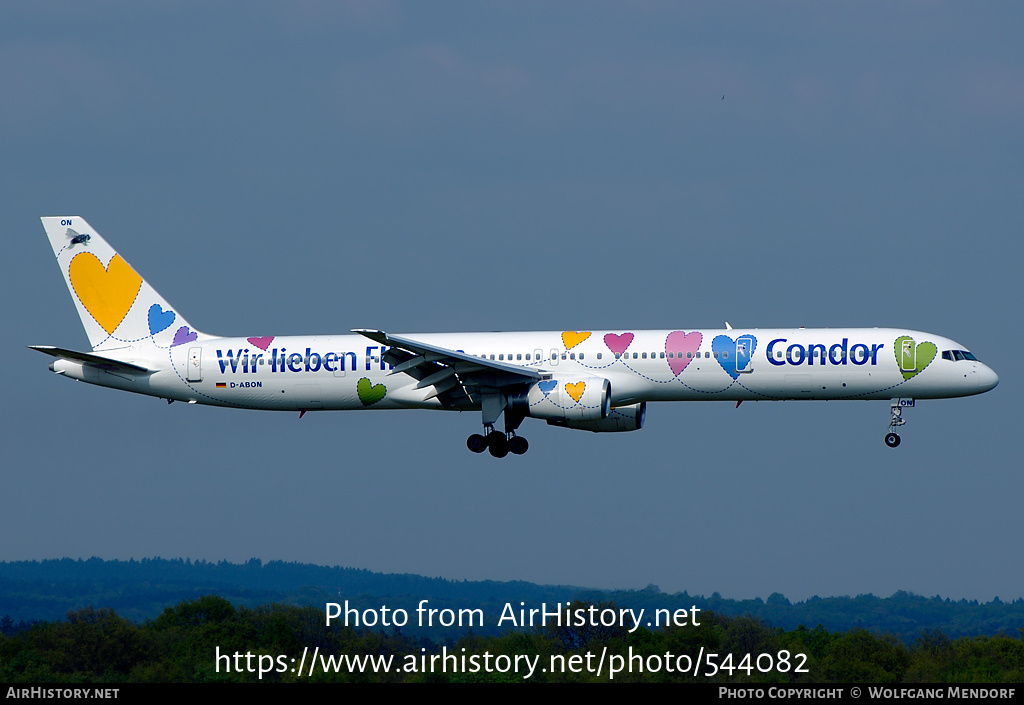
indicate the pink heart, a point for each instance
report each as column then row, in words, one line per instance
column 680, row 343
column 618, row 343
column 262, row 343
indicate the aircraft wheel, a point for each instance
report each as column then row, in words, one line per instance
column 498, row 446
column 892, row 440
column 476, row 443
column 518, row 445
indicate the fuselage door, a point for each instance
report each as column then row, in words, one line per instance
column 195, row 365
column 744, row 351
column 908, row 355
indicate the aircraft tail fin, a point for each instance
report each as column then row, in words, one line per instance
column 116, row 305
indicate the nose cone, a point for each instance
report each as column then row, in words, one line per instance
column 987, row 378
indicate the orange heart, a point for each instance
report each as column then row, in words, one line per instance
column 575, row 389
column 572, row 338
column 106, row 292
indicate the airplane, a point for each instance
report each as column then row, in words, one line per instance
column 598, row 381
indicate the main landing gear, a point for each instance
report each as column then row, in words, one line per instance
column 492, row 405
column 892, row 439
column 498, row 443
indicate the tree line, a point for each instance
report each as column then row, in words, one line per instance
column 98, row 645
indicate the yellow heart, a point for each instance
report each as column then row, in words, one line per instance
column 575, row 389
column 572, row 338
column 106, row 292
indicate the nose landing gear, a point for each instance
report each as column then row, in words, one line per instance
column 892, row 439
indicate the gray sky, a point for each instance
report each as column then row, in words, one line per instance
column 277, row 169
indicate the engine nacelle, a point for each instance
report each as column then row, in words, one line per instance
column 575, row 398
column 622, row 418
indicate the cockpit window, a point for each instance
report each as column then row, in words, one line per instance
column 958, row 355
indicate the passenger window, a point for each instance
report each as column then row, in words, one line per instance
column 599, row 356
column 572, row 356
column 581, row 356
column 644, row 356
column 661, row 355
column 636, row 356
column 519, row 356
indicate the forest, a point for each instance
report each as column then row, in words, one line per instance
column 140, row 590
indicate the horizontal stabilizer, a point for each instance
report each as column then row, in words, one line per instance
column 90, row 359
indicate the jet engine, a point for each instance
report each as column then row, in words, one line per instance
column 578, row 398
column 622, row 418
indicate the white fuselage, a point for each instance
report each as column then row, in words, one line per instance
column 348, row 372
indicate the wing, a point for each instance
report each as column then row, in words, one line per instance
column 458, row 379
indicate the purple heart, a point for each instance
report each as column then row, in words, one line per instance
column 183, row 335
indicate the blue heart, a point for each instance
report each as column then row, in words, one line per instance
column 726, row 349
column 547, row 385
column 159, row 319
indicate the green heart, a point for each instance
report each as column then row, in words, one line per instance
column 924, row 353
column 368, row 393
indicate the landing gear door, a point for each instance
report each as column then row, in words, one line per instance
column 195, row 365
